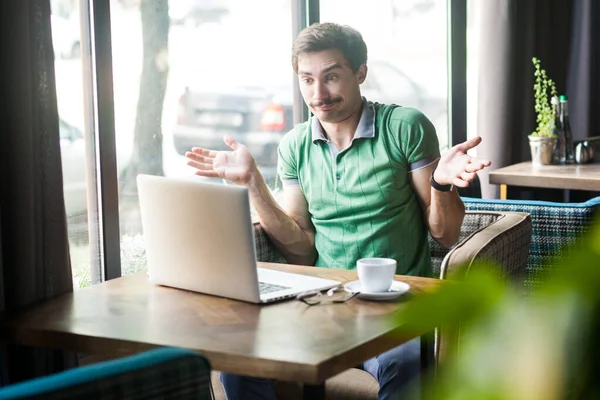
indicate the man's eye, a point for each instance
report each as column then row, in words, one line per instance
column 331, row 77
column 307, row 81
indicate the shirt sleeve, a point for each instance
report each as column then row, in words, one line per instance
column 418, row 139
column 287, row 167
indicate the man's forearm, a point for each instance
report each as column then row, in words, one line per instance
column 296, row 245
column 446, row 213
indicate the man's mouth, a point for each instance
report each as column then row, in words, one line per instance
column 326, row 105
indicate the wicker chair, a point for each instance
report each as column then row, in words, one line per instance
column 499, row 237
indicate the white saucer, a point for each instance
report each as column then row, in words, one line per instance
column 398, row 289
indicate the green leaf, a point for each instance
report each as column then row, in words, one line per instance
column 457, row 300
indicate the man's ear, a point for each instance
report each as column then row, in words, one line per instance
column 361, row 74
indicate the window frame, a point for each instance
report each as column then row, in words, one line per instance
column 457, row 71
column 104, row 124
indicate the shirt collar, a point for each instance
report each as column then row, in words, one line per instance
column 365, row 128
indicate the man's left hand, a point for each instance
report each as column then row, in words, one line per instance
column 457, row 168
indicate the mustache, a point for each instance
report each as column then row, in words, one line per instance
column 326, row 102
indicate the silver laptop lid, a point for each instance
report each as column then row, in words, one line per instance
column 199, row 236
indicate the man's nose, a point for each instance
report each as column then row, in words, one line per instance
column 320, row 91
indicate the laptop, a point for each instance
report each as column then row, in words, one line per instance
column 199, row 236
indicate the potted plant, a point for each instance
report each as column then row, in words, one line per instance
column 543, row 141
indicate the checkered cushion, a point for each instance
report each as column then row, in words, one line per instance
column 165, row 373
column 265, row 251
column 554, row 227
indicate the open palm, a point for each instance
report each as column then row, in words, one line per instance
column 457, row 168
column 235, row 165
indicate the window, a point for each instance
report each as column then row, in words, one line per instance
column 407, row 45
column 186, row 73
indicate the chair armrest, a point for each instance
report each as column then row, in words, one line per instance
column 504, row 243
column 472, row 222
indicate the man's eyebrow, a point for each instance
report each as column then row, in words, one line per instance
column 326, row 70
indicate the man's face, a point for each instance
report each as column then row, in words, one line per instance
column 329, row 86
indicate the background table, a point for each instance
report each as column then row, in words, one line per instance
column 572, row 177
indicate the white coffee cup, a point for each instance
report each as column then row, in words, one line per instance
column 376, row 275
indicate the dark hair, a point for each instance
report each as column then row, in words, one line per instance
column 330, row 36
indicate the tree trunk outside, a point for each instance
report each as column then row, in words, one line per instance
column 147, row 157
column 147, row 149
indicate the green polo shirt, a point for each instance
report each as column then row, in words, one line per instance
column 360, row 199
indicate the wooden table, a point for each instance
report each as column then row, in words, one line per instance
column 572, row 177
column 287, row 341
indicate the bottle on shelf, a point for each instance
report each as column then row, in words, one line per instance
column 566, row 127
column 558, row 131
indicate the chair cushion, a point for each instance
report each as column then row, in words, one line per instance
column 265, row 250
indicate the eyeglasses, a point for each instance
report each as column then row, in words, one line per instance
column 333, row 295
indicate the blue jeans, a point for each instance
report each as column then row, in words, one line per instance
column 394, row 370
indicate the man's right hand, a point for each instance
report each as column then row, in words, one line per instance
column 237, row 166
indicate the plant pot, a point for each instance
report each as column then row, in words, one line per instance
column 542, row 149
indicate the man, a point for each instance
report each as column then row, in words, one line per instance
column 360, row 179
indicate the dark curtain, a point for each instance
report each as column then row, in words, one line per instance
column 583, row 86
column 34, row 253
column 512, row 32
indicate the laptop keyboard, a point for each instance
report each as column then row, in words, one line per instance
column 265, row 288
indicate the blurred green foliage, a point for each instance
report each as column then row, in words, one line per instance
column 510, row 346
